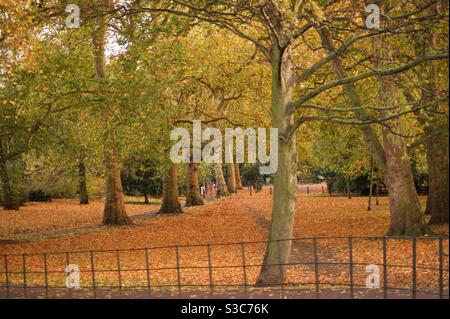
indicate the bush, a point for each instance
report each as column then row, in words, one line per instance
column 39, row 196
column 142, row 177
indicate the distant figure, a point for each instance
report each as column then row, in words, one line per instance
column 202, row 191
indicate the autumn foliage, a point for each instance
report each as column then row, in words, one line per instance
column 64, row 226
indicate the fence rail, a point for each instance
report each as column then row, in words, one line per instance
column 319, row 267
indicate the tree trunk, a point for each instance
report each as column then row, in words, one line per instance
column 406, row 216
column 404, row 205
column 114, row 212
column 347, row 188
column 438, row 180
column 193, row 196
column 170, row 202
column 84, row 197
column 231, row 178
column 437, row 135
column 10, row 201
column 285, row 180
column 221, row 179
column 369, row 204
column 377, row 194
column 238, row 176
column 146, row 201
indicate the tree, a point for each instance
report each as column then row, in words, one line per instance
column 84, row 196
column 231, row 178
column 193, row 196
column 114, row 211
column 238, row 176
column 34, row 88
column 434, row 122
column 170, row 202
column 10, row 201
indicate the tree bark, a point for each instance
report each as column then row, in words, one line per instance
column 369, row 204
column 347, row 188
column 404, row 205
column 221, row 179
column 10, row 201
column 193, row 196
column 377, row 193
column 438, row 180
column 146, row 200
column 231, row 178
column 114, row 211
column 238, row 177
column 285, row 180
column 84, row 196
column 170, row 202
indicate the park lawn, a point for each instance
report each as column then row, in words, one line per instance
column 61, row 214
column 240, row 218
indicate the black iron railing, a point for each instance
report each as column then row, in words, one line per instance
column 319, row 267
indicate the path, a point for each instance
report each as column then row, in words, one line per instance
column 302, row 250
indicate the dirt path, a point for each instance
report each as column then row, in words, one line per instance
column 302, row 250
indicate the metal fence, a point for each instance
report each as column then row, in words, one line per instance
column 319, row 267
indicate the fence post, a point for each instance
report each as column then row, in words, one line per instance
column 68, row 263
column 414, row 273
column 91, row 254
column 118, row 269
column 244, row 269
column 350, row 257
column 441, row 269
column 45, row 275
column 24, row 275
column 6, row 276
column 316, row 268
column 147, row 268
column 385, row 274
column 178, row 269
column 208, row 246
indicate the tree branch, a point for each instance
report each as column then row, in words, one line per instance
column 351, row 79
